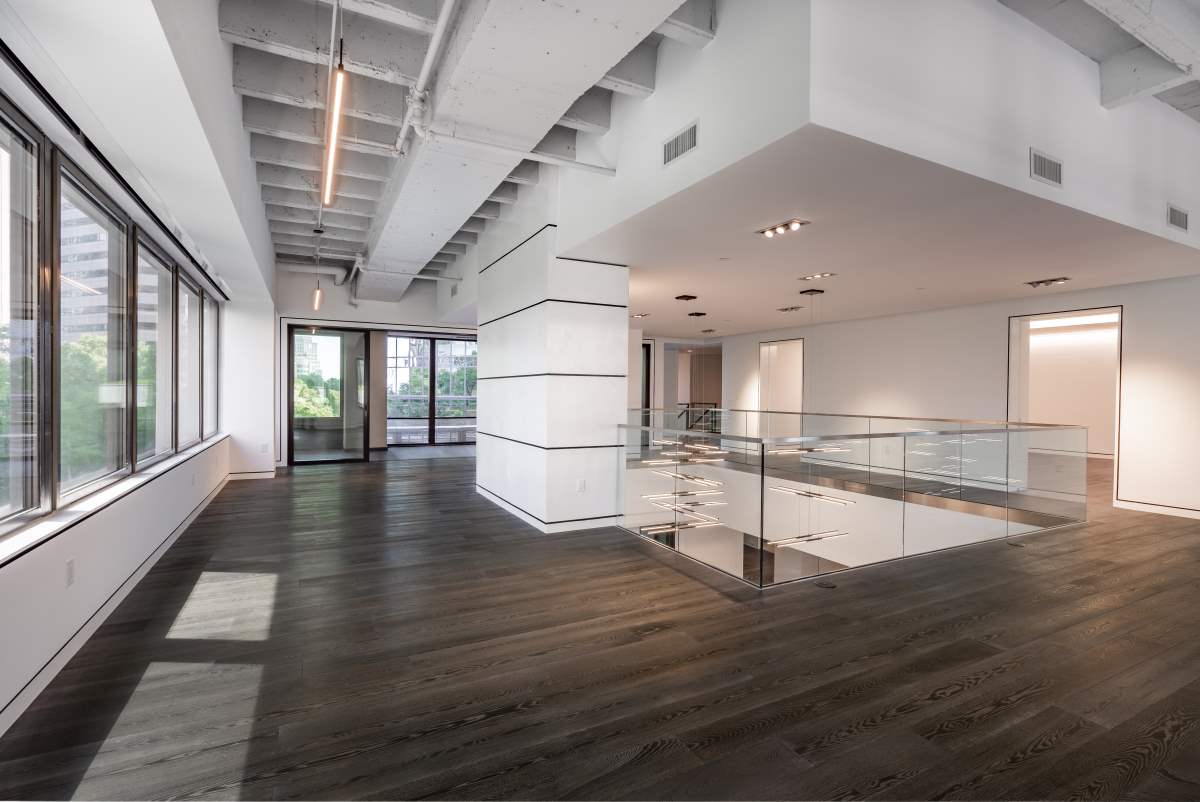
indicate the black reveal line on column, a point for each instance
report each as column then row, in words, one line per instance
column 513, row 248
column 553, row 301
column 542, row 520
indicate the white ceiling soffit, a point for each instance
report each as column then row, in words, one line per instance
column 901, row 234
column 158, row 105
column 522, row 76
column 1142, row 48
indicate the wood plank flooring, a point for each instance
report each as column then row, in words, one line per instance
column 380, row 631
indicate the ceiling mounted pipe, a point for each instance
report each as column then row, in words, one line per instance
column 418, row 94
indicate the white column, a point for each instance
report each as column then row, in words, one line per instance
column 553, row 357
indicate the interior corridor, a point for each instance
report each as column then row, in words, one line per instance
column 381, row 630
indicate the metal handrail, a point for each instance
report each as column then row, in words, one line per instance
column 971, row 421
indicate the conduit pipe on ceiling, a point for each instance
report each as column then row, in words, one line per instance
column 419, row 92
column 340, row 276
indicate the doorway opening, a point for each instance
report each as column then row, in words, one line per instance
column 781, row 376
column 1065, row 367
column 328, row 404
column 692, row 384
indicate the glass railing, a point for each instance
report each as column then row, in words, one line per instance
column 772, row 497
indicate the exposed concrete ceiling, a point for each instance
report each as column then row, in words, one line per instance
column 157, row 104
column 514, row 83
column 901, row 233
column 1142, row 48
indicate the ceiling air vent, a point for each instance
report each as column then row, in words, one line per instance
column 1177, row 218
column 679, row 144
column 1045, row 168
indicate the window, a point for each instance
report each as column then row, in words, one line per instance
column 18, row 324
column 211, row 338
column 91, row 366
column 455, row 396
column 407, row 390
column 155, row 282
column 189, row 364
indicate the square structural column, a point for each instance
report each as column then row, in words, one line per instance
column 553, row 358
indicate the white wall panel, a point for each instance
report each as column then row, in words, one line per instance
column 107, row 549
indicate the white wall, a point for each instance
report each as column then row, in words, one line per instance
column 972, row 85
column 1068, row 374
column 41, row 615
column 378, row 378
column 746, row 88
column 634, row 371
column 953, row 363
column 247, row 385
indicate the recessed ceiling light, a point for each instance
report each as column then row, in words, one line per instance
column 816, row 276
column 794, row 224
column 685, row 297
column 697, row 314
column 790, row 308
column 642, row 315
column 813, row 291
column 1048, row 282
column 708, row 331
column 722, row 258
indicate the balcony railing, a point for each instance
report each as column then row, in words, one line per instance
column 772, row 497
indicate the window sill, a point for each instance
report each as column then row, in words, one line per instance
column 33, row 534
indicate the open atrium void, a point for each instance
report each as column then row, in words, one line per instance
column 599, row 399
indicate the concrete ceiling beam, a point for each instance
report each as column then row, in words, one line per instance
column 309, row 216
column 591, row 113
column 634, row 74
column 270, row 77
column 444, row 256
column 559, row 142
column 299, row 30
column 475, row 225
column 291, row 256
column 694, row 23
column 308, row 126
column 455, row 248
column 490, row 210
column 272, row 175
column 310, row 243
column 305, row 230
column 1170, row 33
column 465, row 238
column 524, row 173
column 311, row 200
column 504, row 193
column 300, row 156
column 418, row 15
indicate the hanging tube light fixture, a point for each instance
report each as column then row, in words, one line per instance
column 335, row 118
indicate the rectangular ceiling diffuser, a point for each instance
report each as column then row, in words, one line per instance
column 679, row 144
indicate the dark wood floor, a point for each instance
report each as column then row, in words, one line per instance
column 380, row 631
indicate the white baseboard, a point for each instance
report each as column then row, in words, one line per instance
column 1138, row 506
column 233, row 477
column 542, row 526
column 30, row 692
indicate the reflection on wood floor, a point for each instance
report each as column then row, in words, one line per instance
column 380, row 630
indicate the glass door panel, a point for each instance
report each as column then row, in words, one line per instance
column 408, row 391
column 329, row 398
column 454, row 400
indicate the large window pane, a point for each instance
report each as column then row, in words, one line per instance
column 154, row 379
column 18, row 324
column 189, row 365
column 455, row 396
column 92, row 433
column 407, row 391
column 211, row 329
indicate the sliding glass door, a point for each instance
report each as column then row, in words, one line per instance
column 329, row 398
column 424, row 412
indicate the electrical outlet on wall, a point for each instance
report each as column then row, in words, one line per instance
column 70, row 572
column 580, row 485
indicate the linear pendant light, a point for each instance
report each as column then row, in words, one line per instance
column 335, row 117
